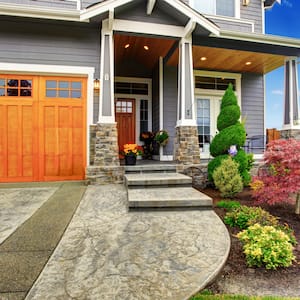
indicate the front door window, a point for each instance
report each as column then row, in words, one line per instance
column 203, row 123
column 125, row 118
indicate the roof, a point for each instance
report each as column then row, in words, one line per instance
column 270, row 3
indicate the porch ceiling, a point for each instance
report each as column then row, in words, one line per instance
column 232, row 60
column 217, row 59
column 131, row 48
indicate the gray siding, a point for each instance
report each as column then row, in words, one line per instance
column 253, row 103
column 57, row 43
column 238, row 25
column 253, row 12
column 170, row 105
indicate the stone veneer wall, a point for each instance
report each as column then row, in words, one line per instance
column 290, row 134
column 197, row 172
column 186, row 148
column 104, row 155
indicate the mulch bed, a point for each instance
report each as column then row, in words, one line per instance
column 236, row 265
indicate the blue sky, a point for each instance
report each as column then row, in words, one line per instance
column 281, row 20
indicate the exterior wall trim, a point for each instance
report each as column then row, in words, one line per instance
column 233, row 20
column 33, row 11
column 148, row 28
column 261, row 38
column 60, row 70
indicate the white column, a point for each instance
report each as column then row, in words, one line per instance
column 186, row 100
column 291, row 102
column 106, row 101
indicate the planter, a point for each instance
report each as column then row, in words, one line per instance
column 130, row 160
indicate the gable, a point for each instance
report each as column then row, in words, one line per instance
column 162, row 13
column 170, row 12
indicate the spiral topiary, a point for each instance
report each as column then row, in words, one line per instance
column 231, row 132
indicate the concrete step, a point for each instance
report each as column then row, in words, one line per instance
column 151, row 168
column 142, row 180
column 175, row 197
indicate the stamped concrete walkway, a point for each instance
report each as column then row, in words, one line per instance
column 110, row 253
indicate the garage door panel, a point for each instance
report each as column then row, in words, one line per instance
column 42, row 137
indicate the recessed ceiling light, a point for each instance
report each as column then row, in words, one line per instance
column 127, row 46
column 248, row 63
column 146, row 47
column 203, row 58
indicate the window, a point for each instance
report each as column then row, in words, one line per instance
column 63, row 89
column 214, row 83
column 131, row 88
column 123, row 106
column 215, row 7
column 13, row 87
column 203, row 122
column 144, row 116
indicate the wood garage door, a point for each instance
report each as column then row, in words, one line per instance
column 42, row 128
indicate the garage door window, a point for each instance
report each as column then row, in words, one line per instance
column 63, row 89
column 15, row 87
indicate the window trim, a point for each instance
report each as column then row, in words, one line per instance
column 138, row 98
column 237, row 10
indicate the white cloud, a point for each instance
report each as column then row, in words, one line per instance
column 277, row 92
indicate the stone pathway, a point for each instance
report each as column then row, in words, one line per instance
column 19, row 204
column 110, row 253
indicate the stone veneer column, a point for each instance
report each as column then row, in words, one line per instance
column 186, row 148
column 106, row 165
column 106, row 145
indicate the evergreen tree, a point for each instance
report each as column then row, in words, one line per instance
column 231, row 132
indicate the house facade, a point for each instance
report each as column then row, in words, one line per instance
column 78, row 79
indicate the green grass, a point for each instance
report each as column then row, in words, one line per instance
column 205, row 296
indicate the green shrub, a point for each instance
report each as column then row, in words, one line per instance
column 230, row 116
column 245, row 164
column 245, row 216
column 266, row 246
column 228, row 204
column 232, row 135
column 229, row 97
column 213, row 164
column 227, row 178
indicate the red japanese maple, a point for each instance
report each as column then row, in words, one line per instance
column 280, row 176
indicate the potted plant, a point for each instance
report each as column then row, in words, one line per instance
column 162, row 137
column 130, row 152
column 147, row 137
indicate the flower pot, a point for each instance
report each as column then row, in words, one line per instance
column 130, row 160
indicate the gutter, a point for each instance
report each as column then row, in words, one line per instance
column 39, row 12
column 260, row 38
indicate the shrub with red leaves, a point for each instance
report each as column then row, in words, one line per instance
column 280, row 177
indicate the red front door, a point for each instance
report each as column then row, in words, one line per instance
column 125, row 118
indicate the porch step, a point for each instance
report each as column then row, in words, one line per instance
column 174, row 197
column 151, row 168
column 143, row 180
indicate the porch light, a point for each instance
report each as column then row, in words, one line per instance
column 96, row 84
column 146, row 47
column 127, row 46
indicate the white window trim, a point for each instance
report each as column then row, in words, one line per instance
column 138, row 98
column 60, row 70
column 226, row 75
column 237, row 9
